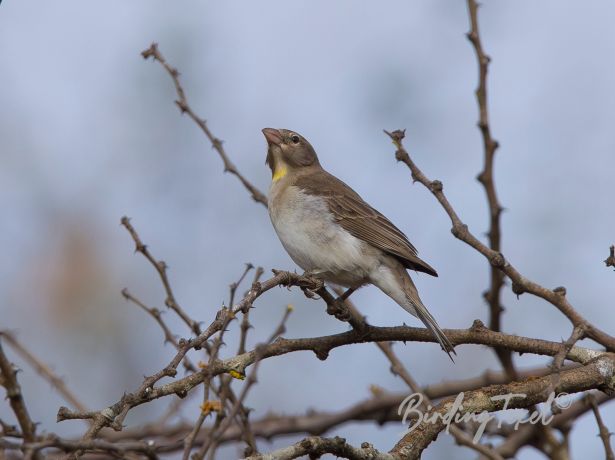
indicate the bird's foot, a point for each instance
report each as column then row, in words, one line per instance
column 310, row 293
column 339, row 309
column 315, row 280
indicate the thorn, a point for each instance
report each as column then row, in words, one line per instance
column 561, row 290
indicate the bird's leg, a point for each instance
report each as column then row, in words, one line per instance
column 338, row 308
column 314, row 272
column 347, row 293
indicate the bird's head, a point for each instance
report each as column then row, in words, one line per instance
column 288, row 151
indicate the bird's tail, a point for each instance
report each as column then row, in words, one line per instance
column 397, row 284
column 430, row 322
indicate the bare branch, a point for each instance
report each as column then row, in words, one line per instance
column 184, row 107
column 157, row 315
column 43, row 369
column 8, row 379
column 556, row 297
column 115, row 414
column 321, row 346
column 529, row 434
column 490, row 145
column 460, row 436
column 169, row 337
column 95, row 445
column 161, row 268
column 397, row 368
column 233, row 287
column 535, row 390
column 245, row 321
column 315, row 447
column 610, row 260
column 380, row 408
column 605, row 434
column 214, row 438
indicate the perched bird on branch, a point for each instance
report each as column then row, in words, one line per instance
column 331, row 233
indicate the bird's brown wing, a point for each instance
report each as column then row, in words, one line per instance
column 361, row 220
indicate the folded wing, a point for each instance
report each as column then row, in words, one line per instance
column 363, row 221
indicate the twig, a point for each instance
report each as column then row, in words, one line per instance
column 184, row 107
column 161, row 268
column 460, row 436
column 605, row 434
column 216, row 434
column 321, row 346
column 247, row 433
column 490, row 145
column 117, row 449
column 315, row 447
column 43, row 369
column 380, row 408
column 528, row 434
column 521, row 284
column 610, row 260
column 155, row 313
column 535, row 390
column 206, row 407
column 169, row 337
column 558, row 360
column 245, row 321
column 115, row 414
column 224, row 382
column 8, row 379
column 233, row 287
column 400, row 370
column 9, row 430
column 576, row 335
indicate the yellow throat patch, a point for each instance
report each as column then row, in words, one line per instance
column 279, row 173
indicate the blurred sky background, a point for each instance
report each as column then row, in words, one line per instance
column 89, row 133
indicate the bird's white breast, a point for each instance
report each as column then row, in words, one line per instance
column 314, row 240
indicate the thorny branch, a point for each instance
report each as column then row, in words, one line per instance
column 321, row 346
column 490, row 145
column 380, row 408
column 8, row 379
column 610, row 260
column 398, row 369
column 315, row 447
column 460, row 436
column 593, row 371
column 521, row 284
column 530, row 435
column 534, row 391
column 215, row 435
column 605, row 434
column 161, row 268
column 184, row 107
column 43, row 369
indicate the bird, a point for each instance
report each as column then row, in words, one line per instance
column 333, row 234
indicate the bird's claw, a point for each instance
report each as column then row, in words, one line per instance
column 339, row 310
column 314, row 281
column 309, row 293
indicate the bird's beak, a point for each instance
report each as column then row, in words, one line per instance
column 273, row 136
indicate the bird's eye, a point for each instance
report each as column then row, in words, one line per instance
column 294, row 139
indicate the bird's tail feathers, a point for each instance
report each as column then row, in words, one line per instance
column 430, row 322
column 393, row 279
